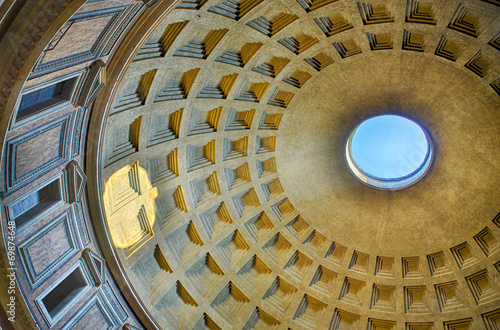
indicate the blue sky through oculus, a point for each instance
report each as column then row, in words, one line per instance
column 389, row 146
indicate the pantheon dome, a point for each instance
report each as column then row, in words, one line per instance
column 183, row 165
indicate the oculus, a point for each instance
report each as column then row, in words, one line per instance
column 389, row 152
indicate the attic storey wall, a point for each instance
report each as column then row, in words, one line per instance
column 61, row 279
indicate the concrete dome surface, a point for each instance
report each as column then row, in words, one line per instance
column 181, row 165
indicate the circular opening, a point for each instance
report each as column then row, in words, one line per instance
column 389, row 152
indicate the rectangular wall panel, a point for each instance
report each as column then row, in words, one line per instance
column 101, row 27
column 96, row 314
column 49, row 249
column 34, row 153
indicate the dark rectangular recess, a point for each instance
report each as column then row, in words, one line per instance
column 42, row 99
column 36, row 203
column 64, row 293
